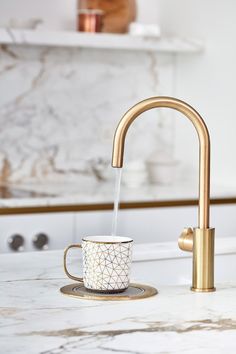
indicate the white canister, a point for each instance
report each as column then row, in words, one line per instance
column 162, row 172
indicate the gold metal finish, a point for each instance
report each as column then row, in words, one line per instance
column 62, row 208
column 134, row 292
column 65, row 265
column 185, row 240
column 107, row 242
column 204, row 140
column 203, row 252
column 203, row 260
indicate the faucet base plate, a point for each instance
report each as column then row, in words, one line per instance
column 134, row 292
column 199, row 290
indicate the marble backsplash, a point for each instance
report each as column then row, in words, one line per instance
column 59, row 108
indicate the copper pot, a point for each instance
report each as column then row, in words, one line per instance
column 118, row 14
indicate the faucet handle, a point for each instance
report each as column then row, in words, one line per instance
column 185, row 240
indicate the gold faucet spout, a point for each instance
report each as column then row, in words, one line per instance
column 200, row 282
column 204, row 141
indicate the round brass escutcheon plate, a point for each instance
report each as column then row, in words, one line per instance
column 199, row 290
column 134, row 292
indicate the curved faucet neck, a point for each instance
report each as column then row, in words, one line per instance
column 204, row 143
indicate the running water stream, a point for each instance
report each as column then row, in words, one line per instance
column 116, row 201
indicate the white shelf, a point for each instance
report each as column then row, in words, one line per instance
column 99, row 41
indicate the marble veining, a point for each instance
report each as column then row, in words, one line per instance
column 153, row 327
column 59, row 108
column 36, row 318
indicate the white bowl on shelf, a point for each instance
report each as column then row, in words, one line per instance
column 135, row 174
column 162, row 172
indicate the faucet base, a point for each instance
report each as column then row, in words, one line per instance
column 198, row 290
column 203, row 260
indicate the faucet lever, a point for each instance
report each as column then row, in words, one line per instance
column 185, row 240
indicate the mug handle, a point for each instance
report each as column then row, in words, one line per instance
column 80, row 279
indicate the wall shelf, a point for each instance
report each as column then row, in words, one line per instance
column 99, row 41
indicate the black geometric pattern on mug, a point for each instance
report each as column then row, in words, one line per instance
column 107, row 266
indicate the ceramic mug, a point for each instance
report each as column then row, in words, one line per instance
column 106, row 263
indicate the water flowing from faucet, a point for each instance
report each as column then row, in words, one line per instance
column 116, row 201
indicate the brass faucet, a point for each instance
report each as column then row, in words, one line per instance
column 199, row 240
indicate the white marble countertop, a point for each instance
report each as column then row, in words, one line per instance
column 36, row 318
column 103, row 192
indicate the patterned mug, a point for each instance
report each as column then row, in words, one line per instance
column 106, row 263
